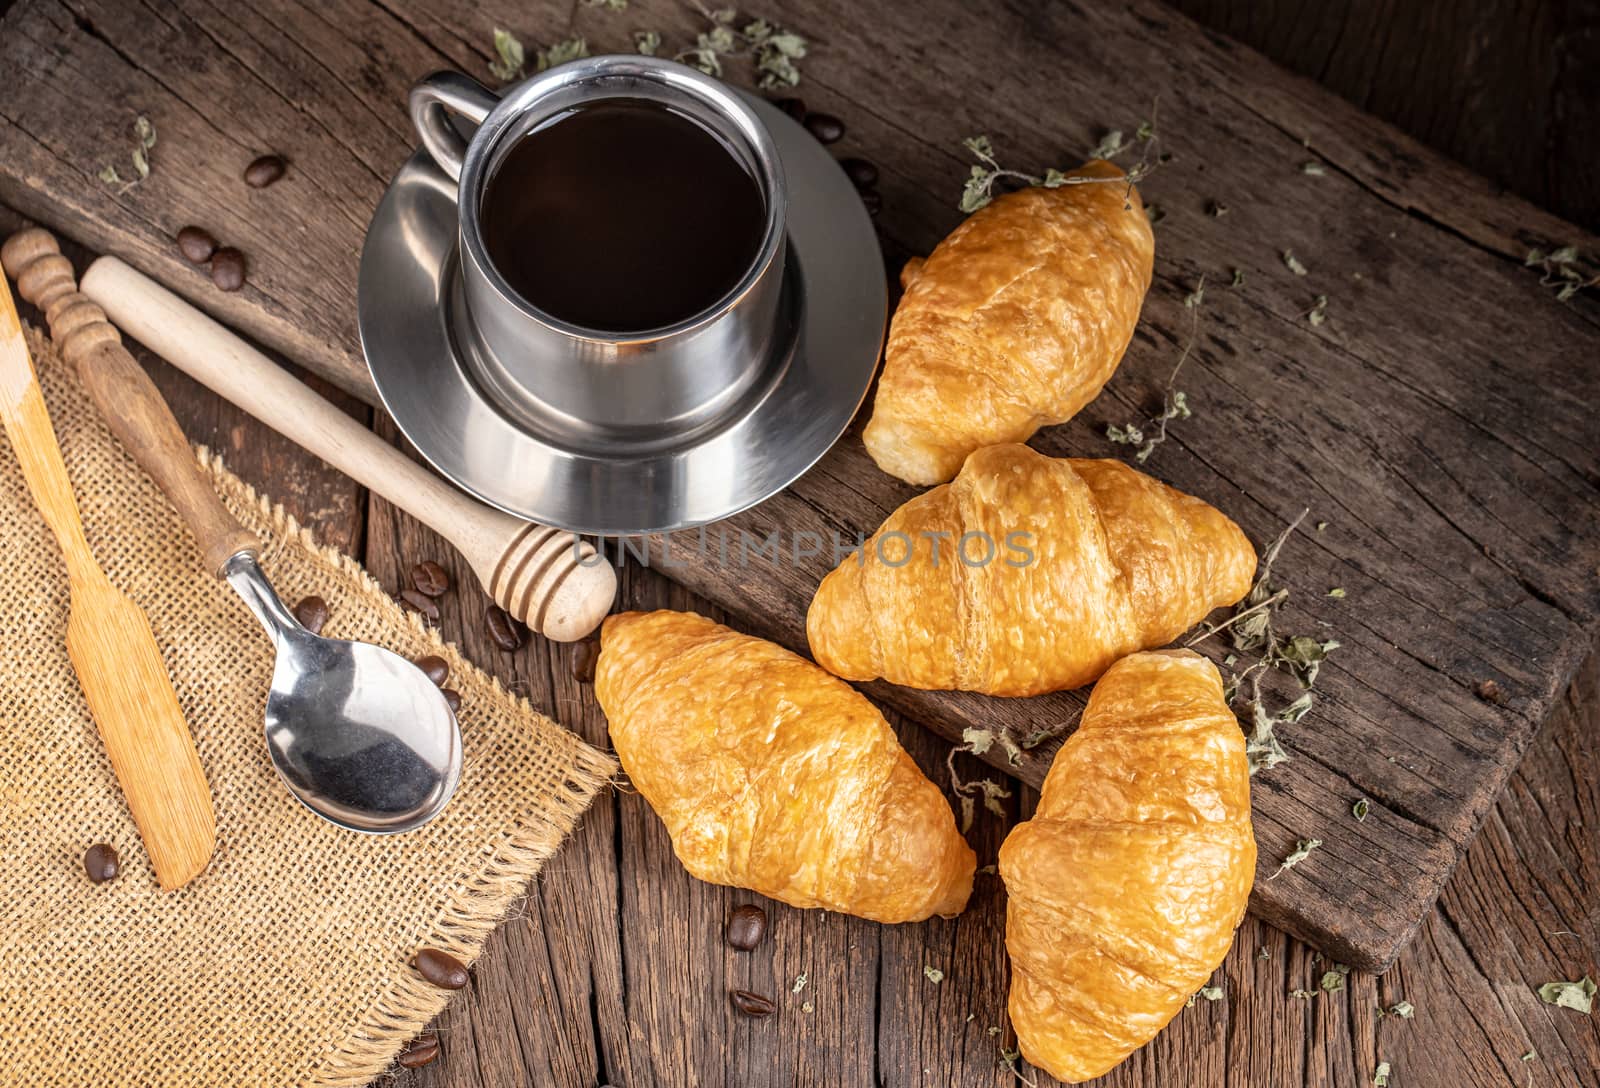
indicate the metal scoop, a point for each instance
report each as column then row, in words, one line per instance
column 359, row 734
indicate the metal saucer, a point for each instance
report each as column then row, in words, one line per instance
column 558, row 471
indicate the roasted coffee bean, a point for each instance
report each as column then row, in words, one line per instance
column 419, row 1051
column 825, row 127
column 264, row 171
column 440, row 968
column 228, row 268
column 100, row 862
column 196, row 244
column 794, row 107
column 452, row 698
column 585, row 655
column 312, row 612
column 872, row 200
column 421, row 604
column 752, row 1004
column 502, row 628
column 746, row 926
column 862, row 174
column 435, row 668
column 430, row 578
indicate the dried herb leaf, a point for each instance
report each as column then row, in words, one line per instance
column 808, row 1007
column 1174, row 401
column 609, row 5
column 1238, row 278
column 509, row 56
column 1263, row 954
column 1319, row 310
column 932, row 974
column 1303, row 995
column 1293, row 263
column 1334, row 980
column 567, row 49
column 1360, row 809
column 1302, row 850
column 800, row 981
column 1405, row 1010
column 1110, row 145
column 1216, row 209
column 1211, row 993
column 1312, row 167
column 1380, row 1075
column 978, row 741
column 1531, row 1055
column 978, row 190
column 1578, row 996
column 109, row 175
column 1337, row 593
column 646, row 42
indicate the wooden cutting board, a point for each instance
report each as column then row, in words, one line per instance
column 1440, row 421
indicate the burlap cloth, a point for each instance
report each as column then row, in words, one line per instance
column 286, row 962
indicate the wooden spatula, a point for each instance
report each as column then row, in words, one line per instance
column 111, row 645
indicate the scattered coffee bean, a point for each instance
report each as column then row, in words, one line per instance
column 794, row 107
column 746, row 926
column 420, row 603
column 452, row 698
column 440, row 968
column 264, row 171
column 100, row 862
column 862, row 174
column 502, row 628
column 753, row 1004
column 419, row 1051
column 872, row 200
column 430, row 578
column 825, row 127
column 228, row 268
column 585, row 656
column 196, row 244
column 312, row 612
column 435, row 668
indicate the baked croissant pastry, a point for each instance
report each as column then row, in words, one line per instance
column 1086, row 561
column 1126, row 886
column 774, row 776
column 1013, row 323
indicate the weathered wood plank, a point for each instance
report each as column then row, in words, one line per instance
column 1438, row 421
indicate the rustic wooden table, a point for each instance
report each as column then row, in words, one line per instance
column 614, row 971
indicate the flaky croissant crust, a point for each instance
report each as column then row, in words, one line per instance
column 1125, row 888
column 774, row 776
column 1013, row 322
column 1120, row 562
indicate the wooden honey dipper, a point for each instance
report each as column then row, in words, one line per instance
column 548, row 578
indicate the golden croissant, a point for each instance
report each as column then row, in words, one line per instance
column 774, row 776
column 1013, row 323
column 1125, row 888
column 1026, row 574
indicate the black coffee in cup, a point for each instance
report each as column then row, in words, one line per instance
column 621, row 216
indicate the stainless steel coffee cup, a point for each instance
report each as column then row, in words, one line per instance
column 549, row 372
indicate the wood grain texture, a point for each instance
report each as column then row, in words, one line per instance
column 1438, row 422
column 567, row 995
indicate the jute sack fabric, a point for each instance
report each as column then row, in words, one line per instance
column 286, row 963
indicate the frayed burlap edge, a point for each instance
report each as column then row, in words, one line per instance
column 470, row 915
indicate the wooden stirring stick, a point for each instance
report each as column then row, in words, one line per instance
column 110, row 643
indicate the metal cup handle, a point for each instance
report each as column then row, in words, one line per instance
column 459, row 94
